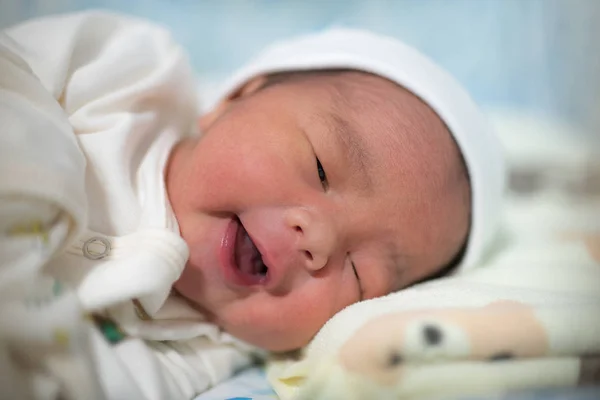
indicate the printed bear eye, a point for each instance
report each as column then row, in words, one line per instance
column 433, row 335
column 394, row 359
column 502, row 356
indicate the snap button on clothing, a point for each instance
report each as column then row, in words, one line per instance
column 96, row 248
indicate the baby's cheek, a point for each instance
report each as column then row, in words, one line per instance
column 278, row 323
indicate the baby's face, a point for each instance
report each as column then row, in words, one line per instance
column 304, row 197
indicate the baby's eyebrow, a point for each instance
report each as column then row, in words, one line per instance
column 353, row 144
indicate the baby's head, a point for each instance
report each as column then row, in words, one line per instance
column 311, row 190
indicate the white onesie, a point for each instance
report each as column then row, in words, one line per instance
column 91, row 105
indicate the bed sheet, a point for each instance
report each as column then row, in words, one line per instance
column 252, row 384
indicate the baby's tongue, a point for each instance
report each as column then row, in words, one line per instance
column 245, row 252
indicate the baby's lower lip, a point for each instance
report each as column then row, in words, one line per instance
column 233, row 276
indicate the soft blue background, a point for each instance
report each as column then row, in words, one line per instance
column 541, row 55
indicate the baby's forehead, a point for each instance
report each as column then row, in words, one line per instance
column 381, row 110
column 358, row 95
column 377, row 109
column 366, row 102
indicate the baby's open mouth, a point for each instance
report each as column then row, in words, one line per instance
column 248, row 259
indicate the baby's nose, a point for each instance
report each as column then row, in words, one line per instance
column 314, row 236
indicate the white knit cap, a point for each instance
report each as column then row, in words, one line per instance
column 391, row 59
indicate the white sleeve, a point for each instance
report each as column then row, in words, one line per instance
column 40, row 161
column 61, row 77
column 90, row 72
column 97, row 64
column 82, row 73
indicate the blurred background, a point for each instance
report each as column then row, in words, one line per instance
column 539, row 54
column 534, row 65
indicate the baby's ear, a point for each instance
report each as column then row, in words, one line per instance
column 205, row 121
column 247, row 88
column 591, row 241
column 593, row 244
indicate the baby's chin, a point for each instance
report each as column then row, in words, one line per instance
column 279, row 344
column 267, row 339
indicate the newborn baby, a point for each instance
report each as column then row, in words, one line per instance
column 325, row 188
column 335, row 168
